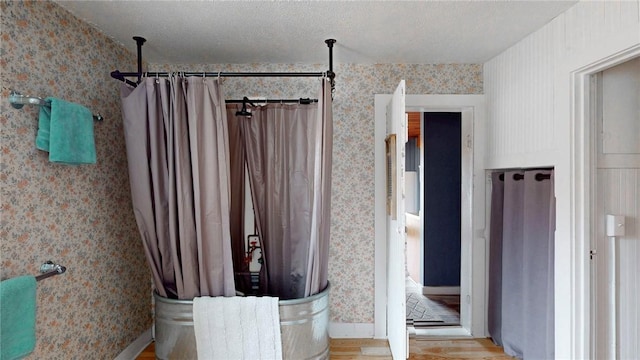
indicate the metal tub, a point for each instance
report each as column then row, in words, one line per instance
column 304, row 326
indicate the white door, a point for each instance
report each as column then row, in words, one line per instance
column 396, row 222
column 615, row 251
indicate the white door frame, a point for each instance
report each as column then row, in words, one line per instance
column 582, row 171
column 473, row 244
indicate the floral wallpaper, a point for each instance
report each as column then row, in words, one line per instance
column 79, row 216
column 351, row 260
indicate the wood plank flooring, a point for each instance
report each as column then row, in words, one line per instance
column 419, row 349
column 427, row 349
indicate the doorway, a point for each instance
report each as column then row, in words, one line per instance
column 473, row 242
column 434, row 222
column 589, row 318
column 615, row 124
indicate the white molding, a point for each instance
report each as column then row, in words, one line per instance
column 351, row 330
column 474, row 288
column 451, row 332
column 136, row 347
column 581, row 184
column 441, row 290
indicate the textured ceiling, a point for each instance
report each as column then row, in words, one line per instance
column 421, row 32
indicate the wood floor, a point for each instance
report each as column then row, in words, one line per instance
column 420, row 349
column 148, row 353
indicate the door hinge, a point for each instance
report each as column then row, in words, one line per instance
column 592, row 253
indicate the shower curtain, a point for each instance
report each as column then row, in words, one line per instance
column 178, row 155
column 288, row 154
column 521, row 301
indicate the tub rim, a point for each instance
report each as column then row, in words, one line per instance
column 303, row 300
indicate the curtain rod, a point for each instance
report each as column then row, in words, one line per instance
column 272, row 101
column 116, row 74
column 518, row 177
column 140, row 41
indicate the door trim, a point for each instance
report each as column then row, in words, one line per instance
column 582, row 181
column 473, row 266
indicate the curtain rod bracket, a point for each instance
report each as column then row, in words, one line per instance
column 330, row 73
column 139, row 42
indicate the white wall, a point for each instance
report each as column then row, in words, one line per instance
column 529, row 112
column 619, row 191
column 525, row 86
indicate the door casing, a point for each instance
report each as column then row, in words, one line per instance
column 582, row 201
column 473, row 244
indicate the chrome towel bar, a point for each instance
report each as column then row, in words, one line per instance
column 18, row 100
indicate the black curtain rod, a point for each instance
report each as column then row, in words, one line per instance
column 273, row 101
column 518, row 177
column 245, row 100
column 140, row 41
column 123, row 76
column 117, row 74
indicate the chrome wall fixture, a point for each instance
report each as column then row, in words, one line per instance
column 49, row 269
column 18, row 101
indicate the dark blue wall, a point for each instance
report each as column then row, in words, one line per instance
column 412, row 152
column 442, row 188
column 412, row 163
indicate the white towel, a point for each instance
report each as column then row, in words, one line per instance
column 230, row 328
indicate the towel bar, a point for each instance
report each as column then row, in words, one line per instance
column 49, row 269
column 18, row 100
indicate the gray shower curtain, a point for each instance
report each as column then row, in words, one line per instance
column 521, row 301
column 288, row 153
column 178, row 155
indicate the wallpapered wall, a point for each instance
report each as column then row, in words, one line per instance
column 79, row 216
column 351, row 260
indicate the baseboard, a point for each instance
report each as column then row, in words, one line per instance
column 441, row 290
column 350, row 330
column 444, row 332
column 135, row 348
column 336, row 331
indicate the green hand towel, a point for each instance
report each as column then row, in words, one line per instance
column 65, row 130
column 17, row 317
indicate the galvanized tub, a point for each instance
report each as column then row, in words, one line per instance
column 304, row 326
